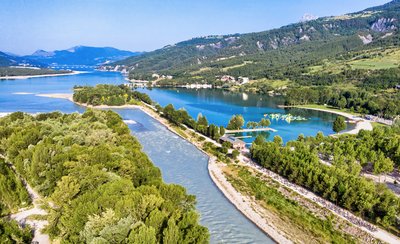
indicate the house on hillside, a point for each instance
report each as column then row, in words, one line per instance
column 228, row 78
column 236, row 143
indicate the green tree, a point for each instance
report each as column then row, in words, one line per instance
column 339, row 124
column 278, row 140
column 236, row 122
column 235, row 154
column 222, row 130
column 265, row 123
column 342, row 102
column 202, row 120
column 320, row 136
column 260, row 139
column 251, row 125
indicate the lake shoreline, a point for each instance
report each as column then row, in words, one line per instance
column 361, row 124
column 22, row 77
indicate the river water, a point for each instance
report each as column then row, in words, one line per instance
column 179, row 161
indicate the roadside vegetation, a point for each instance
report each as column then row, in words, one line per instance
column 337, row 178
column 292, row 217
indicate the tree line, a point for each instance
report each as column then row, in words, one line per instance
column 360, row 101
column 181, row 116
column 340, row 183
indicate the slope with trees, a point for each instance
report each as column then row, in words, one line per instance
column 103, row 188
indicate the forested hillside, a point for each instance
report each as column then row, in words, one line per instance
column 349, row 61
column 103, row 188
column 328, row 35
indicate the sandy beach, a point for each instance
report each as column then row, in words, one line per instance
column 21, row 77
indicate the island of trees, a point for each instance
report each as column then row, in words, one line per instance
column 111, row 95
column 11, row 71
column 100, row 186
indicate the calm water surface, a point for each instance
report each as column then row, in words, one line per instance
column 219, row 106
column 180, row 162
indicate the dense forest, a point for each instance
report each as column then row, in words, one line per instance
column 102, row 187
column 12, row 197
column 10, row 71
column 108, row 95
column 12, row 192
column 340, row 181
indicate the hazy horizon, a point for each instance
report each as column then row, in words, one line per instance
column 147, row 25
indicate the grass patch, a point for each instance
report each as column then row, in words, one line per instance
column 274, row 83
column 205, row 69
column 378, row 59
column 370, row 59
column 237, row 66
column 376, row 124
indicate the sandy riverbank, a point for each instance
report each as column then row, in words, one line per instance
column 21, row 77
column 243, row 203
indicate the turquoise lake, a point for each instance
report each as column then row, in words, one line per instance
column 219, row 106
column 179, row 161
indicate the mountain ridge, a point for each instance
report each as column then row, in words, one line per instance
column 77, row 55
column 360, row 28
column 81, row 55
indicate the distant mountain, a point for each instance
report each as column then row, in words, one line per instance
column 81, row 55
column 313, row 39
column 8, row 59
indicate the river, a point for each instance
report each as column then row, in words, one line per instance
column 179, row 161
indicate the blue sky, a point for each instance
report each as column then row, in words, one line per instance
column 144, row 25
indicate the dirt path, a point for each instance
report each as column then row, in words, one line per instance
column 22, row 216
column 342, row 213
column 244, row 204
